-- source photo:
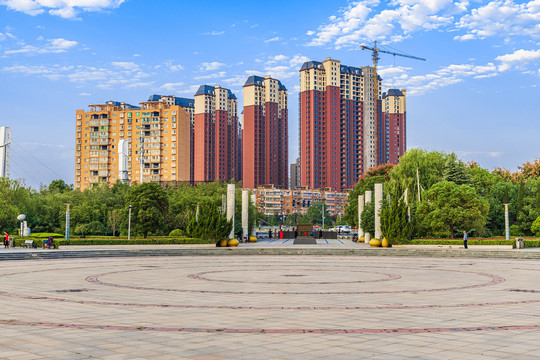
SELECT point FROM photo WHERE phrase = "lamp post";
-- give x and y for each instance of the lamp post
(129, 223)
(21, 218)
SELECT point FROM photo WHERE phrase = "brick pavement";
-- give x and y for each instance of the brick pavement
(270, 307)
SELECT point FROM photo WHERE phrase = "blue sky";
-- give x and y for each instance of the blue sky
(476, 95)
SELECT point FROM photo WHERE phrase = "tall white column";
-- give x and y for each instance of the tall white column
(254, 201)
(506, 222)
(230, 207)
(245, 213)
(378, 203)
(367, 200)
(360, 210)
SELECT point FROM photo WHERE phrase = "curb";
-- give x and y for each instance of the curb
(439, 253)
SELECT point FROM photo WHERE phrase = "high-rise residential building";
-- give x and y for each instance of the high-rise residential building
(189, 106)
(393, 140)
(158, 136)
(5, 141)
(295, 175)
(216, 134)
(340, 123)
(265, 133)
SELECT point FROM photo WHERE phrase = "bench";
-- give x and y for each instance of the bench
(28, 243)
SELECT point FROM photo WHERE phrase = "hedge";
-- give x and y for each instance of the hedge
(527, 242)
(18, 242)
(141, 241)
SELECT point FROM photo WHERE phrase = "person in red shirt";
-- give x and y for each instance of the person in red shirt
(6, 240)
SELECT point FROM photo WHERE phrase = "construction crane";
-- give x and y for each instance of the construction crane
(373, 103)
(375, 54)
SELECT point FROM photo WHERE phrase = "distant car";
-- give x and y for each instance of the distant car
(344, 229)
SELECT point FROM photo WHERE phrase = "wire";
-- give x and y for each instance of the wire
(41, 162)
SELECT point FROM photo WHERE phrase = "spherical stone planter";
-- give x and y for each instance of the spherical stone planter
(375, 242)
(252, 239)
(233, 243)
(222, 243)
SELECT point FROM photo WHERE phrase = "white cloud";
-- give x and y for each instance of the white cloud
(64, 8)
(277, 38)
(503, 18)
(122, 75)
(211, 76)
(189, 91)
(518, 58)
(126, 65)
(58, 45)
(211, 66)
(215, 33)
(445, 76)
(173, 67)
(465, 37)
(172, 86)
(298, 60)
(85, 94)
(280, 57)
(362, 21)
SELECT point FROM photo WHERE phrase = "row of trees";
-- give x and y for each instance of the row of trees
(447, 196)
(103, 210)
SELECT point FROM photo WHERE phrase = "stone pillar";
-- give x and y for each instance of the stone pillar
(230, 206)
(254, 201)
(506, 222)
(245, 218)
(378, 203)
(367, 200)
(360, 210)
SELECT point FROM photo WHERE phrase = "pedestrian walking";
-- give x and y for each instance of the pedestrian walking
(6, 240)
(465, 238)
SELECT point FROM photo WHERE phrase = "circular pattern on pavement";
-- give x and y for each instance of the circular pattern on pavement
(275, 287)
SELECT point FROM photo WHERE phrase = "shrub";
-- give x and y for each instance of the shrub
(515, 231)
(43, 235)
(535, 228)
(176, 233)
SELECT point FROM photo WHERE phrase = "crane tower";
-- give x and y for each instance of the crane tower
(372, 102)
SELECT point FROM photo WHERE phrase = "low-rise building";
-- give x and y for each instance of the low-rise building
(273, 201)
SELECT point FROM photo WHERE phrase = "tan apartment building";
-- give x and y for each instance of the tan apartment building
(273, 201)
(158, 136)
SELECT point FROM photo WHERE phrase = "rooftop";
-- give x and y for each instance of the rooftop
(258, 80)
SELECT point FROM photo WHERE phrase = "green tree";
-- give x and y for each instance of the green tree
(430, 166)
(368, 218)
(149, 206)
(314, 216)
(210, 224)
(448, 207)
(395, 224)
(376, 175)
(455, 170)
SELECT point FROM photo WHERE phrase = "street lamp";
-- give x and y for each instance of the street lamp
(129, 223)
(21, 218)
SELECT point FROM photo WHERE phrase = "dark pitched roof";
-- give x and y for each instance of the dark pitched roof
(351, 70)
(184, 102)
(311, 64)
(258, 80)
(209, 89)
(393, 92)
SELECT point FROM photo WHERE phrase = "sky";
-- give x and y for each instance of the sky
(477, 93)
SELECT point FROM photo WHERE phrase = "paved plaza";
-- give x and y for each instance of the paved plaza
(270, 307)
